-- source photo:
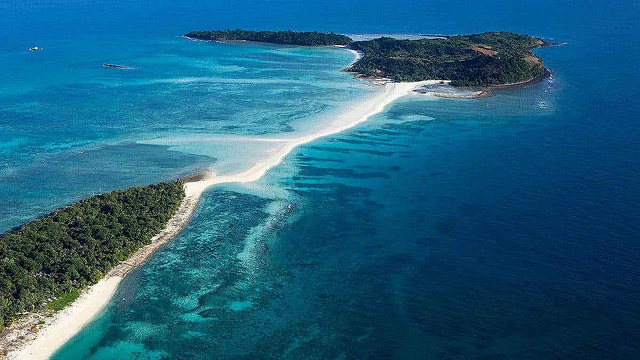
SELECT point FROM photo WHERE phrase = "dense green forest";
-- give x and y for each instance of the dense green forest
(275, 37)
(52, 258)
(491, 58)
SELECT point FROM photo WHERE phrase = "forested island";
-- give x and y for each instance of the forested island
(487, 59)
(492, 58)
(308, 38)
(48, 261)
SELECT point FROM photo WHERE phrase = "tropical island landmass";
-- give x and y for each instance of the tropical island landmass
(306, 38)
(481, 60)
(47, 264)
(48, 261)
(33, 326)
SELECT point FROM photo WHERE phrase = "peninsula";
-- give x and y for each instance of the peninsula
(483, 60)
(30, 335)
(46, 264)
(50, 260)
(74, 258)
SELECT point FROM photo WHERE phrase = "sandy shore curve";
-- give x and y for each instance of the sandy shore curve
(61, 327)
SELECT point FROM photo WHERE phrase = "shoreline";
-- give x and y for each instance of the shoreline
(547, 74)
(480, 92)
(62, 326)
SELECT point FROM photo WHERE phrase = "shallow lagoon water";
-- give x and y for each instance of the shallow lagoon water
(500, 228)
(438, 229)
(65, 118)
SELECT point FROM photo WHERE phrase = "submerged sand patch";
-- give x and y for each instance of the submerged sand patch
(61, 327)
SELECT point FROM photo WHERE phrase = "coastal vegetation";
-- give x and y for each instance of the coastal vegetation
(492, 58)
(309, 38)
(487, 59)
(48, 261)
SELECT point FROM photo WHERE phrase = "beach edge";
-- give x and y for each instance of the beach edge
(62, 326)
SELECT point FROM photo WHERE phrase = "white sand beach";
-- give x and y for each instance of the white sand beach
(354, 115)
(65, 324)
(357, 54)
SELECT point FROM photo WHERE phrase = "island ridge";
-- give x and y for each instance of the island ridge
(486, 59)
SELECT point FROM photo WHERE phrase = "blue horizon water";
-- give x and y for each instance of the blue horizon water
(498, 228)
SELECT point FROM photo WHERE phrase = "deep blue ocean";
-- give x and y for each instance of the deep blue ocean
(498, 228)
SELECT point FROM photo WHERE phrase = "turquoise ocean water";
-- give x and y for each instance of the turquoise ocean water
(499, 228)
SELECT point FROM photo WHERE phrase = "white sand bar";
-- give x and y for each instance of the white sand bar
(65, 324)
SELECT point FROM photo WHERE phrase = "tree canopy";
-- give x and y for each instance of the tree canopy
(491, 58)
(54, 257)
(309, 38)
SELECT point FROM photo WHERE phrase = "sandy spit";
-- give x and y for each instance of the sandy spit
(61, 327)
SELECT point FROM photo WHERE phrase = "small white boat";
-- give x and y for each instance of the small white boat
(35, 48)
(116, 66)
